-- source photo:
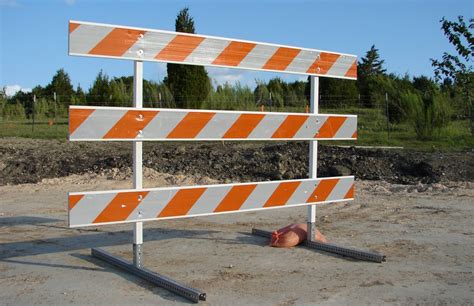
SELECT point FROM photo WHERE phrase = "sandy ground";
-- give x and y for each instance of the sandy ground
(426, 232)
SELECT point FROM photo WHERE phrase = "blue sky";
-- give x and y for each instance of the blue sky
(33, 34)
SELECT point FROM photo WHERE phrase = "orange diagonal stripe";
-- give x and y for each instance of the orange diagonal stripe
(324, 62)
(130, 124)
(330, 127)
(76, 117)
(73, 26)
(243, 126)
(352, 72)
(190, 125)
(354, 135)
(117, 42)
(74, 199)
(182, 202)
(322, 191)
(179, 48)
(281, 58)
(234, 53)
(235, 198)
(290, 126)
(121, 206)
(350, 193)
(282, 194)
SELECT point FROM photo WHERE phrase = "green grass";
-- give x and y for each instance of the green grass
(41, 129)
(372, 131)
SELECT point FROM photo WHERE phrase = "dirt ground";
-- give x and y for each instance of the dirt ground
(30, 161)
(425, 230)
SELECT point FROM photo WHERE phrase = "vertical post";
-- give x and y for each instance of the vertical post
(313, 156)
(387, 115)
(33, 125)
(137, 162)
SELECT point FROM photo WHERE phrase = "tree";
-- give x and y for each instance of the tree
(457, 69)
(80, 96)
(190, 85)
(371, 64)
(100, 91)
(369, 69)
(61, 85)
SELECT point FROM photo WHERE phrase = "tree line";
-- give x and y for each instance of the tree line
(427, 104)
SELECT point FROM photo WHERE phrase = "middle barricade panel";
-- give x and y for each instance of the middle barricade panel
(122, 206)
(120, 123)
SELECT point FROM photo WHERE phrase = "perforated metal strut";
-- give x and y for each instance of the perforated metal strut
(167, 283)
(332, 248)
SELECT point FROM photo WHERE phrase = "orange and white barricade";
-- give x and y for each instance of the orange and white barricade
(92, 123)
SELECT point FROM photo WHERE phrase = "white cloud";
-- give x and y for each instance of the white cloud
(226, 75)
(11, 90)
(70, 2)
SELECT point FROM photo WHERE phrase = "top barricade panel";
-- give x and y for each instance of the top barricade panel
(110, 41)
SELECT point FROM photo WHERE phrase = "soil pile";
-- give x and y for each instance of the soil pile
(30, 161)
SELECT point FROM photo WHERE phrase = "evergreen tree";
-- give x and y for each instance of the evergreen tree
(61, 85)
(80, 95)
(190, 85)
(369, 70)
(99, 93)
(371, 64)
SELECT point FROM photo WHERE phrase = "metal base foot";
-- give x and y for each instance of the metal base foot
(167, 283)
(332, 248)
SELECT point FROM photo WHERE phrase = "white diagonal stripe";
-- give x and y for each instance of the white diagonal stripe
(97, 124)
(218, 126)
(302, 193)
(207, 51)
(258, 56)
(311, 126)
(340, 190)
(149, 45)
(89, 207)
(209, 200)
(267, 126)
(348, 128)
(259, 196)
(152, 205)
(341, 66)
(303, 61)
(85, 37)
(163, 123)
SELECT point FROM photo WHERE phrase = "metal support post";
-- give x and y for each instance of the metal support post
(313, 157)
(137, 162)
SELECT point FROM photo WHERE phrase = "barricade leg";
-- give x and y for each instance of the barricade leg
(136, 267)
(332, 248)
(310, 241)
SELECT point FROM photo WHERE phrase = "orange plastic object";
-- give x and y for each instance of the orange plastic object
(292, 235)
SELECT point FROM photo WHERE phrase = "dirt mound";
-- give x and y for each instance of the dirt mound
(30, 161)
